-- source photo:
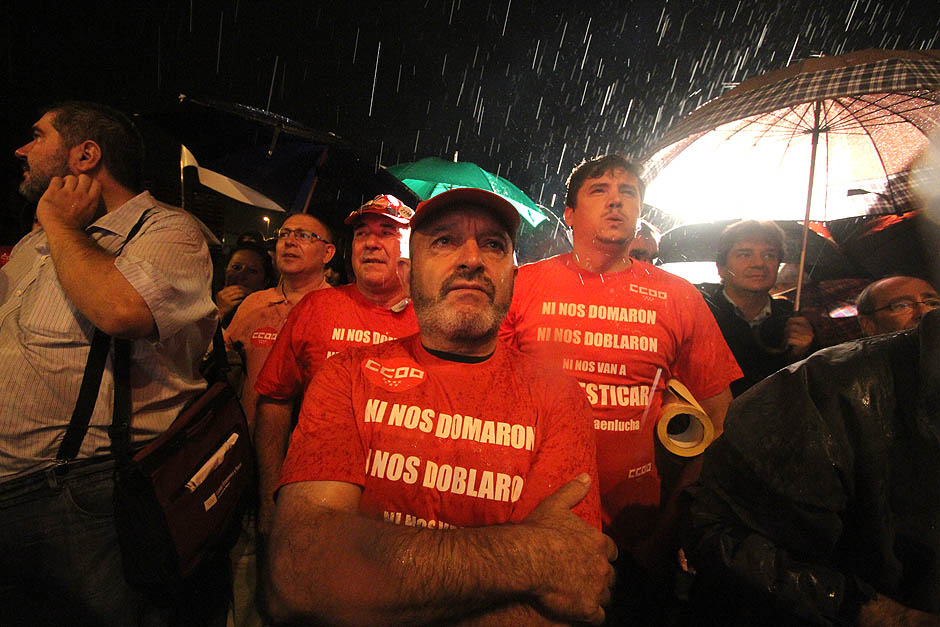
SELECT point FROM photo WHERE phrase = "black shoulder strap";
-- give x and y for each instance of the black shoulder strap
(91, 380)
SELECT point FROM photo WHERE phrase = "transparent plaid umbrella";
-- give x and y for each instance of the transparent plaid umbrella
(827, 138)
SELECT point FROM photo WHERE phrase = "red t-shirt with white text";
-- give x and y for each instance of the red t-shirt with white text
(613, 332)
(439, 443)
(322, 324)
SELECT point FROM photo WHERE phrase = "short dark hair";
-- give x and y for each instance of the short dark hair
(122, 147)
(759, 229)
(593, 168)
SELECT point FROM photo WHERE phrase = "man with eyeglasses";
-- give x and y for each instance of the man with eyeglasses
(894, 304)
(820, 503)
(302, 251)
(304, 247)
(370, 311)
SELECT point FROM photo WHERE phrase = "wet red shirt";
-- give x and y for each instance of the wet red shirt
(322, 324)
(439, 443)
(617, 334)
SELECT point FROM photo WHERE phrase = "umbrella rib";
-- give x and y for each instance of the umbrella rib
(759, 120)
(873, 109)
(881, 160)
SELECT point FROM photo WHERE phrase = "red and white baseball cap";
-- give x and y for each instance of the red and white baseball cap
(384, 205)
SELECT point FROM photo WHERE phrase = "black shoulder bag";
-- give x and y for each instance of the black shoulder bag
(181, 496)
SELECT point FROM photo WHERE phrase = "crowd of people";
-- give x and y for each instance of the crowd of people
(452, 439)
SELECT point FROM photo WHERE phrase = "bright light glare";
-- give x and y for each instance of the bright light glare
(740, 171)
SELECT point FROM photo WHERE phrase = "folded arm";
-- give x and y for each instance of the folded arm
(327, 562)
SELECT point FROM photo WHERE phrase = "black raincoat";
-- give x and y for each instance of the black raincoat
(825, 488)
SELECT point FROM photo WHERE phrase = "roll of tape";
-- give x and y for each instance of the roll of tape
(684, 428)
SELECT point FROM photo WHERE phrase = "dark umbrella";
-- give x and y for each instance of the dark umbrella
(300, 168)
(699, 242)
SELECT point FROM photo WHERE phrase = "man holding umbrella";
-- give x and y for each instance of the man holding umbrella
(761, 331)
(623, 328)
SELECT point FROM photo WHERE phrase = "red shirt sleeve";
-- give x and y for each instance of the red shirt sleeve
(280, 377)
(326, 444)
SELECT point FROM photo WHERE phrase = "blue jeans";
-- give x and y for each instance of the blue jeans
(60, 563)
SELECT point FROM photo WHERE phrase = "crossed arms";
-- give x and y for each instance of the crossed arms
(329, 563)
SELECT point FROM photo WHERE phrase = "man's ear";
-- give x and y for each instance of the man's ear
(722, 270)
(404, 274)
(868, 325)
(328, 254)
(84, 157)
(569, 215)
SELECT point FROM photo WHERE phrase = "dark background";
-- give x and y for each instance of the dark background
(526, 89)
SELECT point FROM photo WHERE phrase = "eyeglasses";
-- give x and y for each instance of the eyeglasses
(301, 235)
(907, 305)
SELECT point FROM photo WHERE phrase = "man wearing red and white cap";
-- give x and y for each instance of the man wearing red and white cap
(371, 310)
(443, 477)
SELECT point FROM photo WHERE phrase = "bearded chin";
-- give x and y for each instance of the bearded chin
(32, 189)
(464, 325)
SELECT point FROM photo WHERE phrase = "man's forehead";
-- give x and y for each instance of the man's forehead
(898, 287)
(753, 243)
(620, 175)
(368, 219)
(45, 123)
(304, 220)
(453, 216)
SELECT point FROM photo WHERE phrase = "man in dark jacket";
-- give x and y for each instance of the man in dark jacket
(821, 500)
(761, 331)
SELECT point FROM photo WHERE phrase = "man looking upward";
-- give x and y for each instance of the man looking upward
(432, 478)
(304, 247)
(623, 329)
(108, 256)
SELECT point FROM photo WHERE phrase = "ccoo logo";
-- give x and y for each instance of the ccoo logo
(395, 375)
(264, 336)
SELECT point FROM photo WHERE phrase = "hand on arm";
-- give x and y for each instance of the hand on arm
(330, 563)
(85, 270)
(886, 611)
(272, 435)
(799, 336)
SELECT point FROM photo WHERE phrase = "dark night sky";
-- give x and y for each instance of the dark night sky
(524, 88)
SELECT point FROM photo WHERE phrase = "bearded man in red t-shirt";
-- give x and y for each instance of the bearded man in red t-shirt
(623, 328)
(444, 477)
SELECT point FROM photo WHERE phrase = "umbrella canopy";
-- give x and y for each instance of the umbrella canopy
(431, 176)
(265, 160)
(845, 127)
(699, 243)
(812, 140)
